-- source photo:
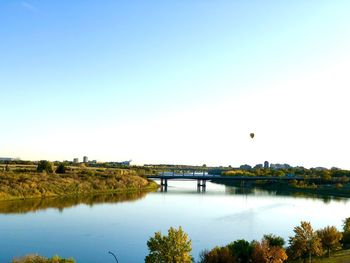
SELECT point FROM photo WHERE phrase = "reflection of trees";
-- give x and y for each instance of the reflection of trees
(30, 205)
(260, 190)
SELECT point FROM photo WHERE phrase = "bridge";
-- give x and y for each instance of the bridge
(203, 178)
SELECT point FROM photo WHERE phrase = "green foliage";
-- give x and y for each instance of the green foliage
(40, 259)
(61, 168)
(330, 238)
(326, 176)
(305, 243)
(346, 225)
(217, 255)
(274, 241)
(241, 249)
(173, 248)
(44, 166)
(346, 233)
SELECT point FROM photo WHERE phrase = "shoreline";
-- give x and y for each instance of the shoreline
(288, 190)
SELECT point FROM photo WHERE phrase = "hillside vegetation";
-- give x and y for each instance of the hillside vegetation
(22, 185)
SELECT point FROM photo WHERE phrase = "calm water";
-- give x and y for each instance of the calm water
(88, 227)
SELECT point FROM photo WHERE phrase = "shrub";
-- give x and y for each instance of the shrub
(40, 259)
(217, 255)
(44, 166)
(61, 168)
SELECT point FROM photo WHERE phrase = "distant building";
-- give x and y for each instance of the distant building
(125, 163)
(76, 160)
(85, 159)
(320, 169)
(258, 166)
(245, 167)
(8, 159)
(266, 165)
(278, 166)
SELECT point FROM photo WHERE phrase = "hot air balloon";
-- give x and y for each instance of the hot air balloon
(252, 135)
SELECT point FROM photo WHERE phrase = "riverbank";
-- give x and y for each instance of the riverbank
(16, 186)
(283, 188)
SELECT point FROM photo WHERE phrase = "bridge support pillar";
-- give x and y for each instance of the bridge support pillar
(201, 185)
(164, 188)
(163, 181)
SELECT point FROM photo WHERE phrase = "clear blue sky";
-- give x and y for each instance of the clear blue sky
(175, 81)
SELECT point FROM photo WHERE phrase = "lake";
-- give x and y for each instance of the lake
(86, 228)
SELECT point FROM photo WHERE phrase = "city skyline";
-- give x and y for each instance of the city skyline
(176, 82)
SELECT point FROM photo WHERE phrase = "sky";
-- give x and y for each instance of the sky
(178, 81)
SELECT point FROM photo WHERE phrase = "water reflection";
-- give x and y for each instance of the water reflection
(295, 193)
(60, 203)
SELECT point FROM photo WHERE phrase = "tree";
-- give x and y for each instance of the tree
(173, 248)
(241, 249)
(274, 241)
(263, 252)
(7, 168)
(330, 238)
(305, 243)
(61, 168)
(44, 166)
(346, 225)
(346, 233)
(217, 255)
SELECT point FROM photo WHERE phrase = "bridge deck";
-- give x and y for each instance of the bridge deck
(221, 178)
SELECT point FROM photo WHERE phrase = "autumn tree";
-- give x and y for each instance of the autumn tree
(263, 252)
(305, 243)
(173, 248)
(217, 255)
(330, 238)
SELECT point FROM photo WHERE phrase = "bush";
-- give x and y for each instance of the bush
(40, 259)
(61, 168)
(45, 166)
(217, 255)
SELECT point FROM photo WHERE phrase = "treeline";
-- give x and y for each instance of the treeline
(304, 245)
(325, 174)
(19, 166)
(176, 247)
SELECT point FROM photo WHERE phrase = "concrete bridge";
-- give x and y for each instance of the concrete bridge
(203, 178)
